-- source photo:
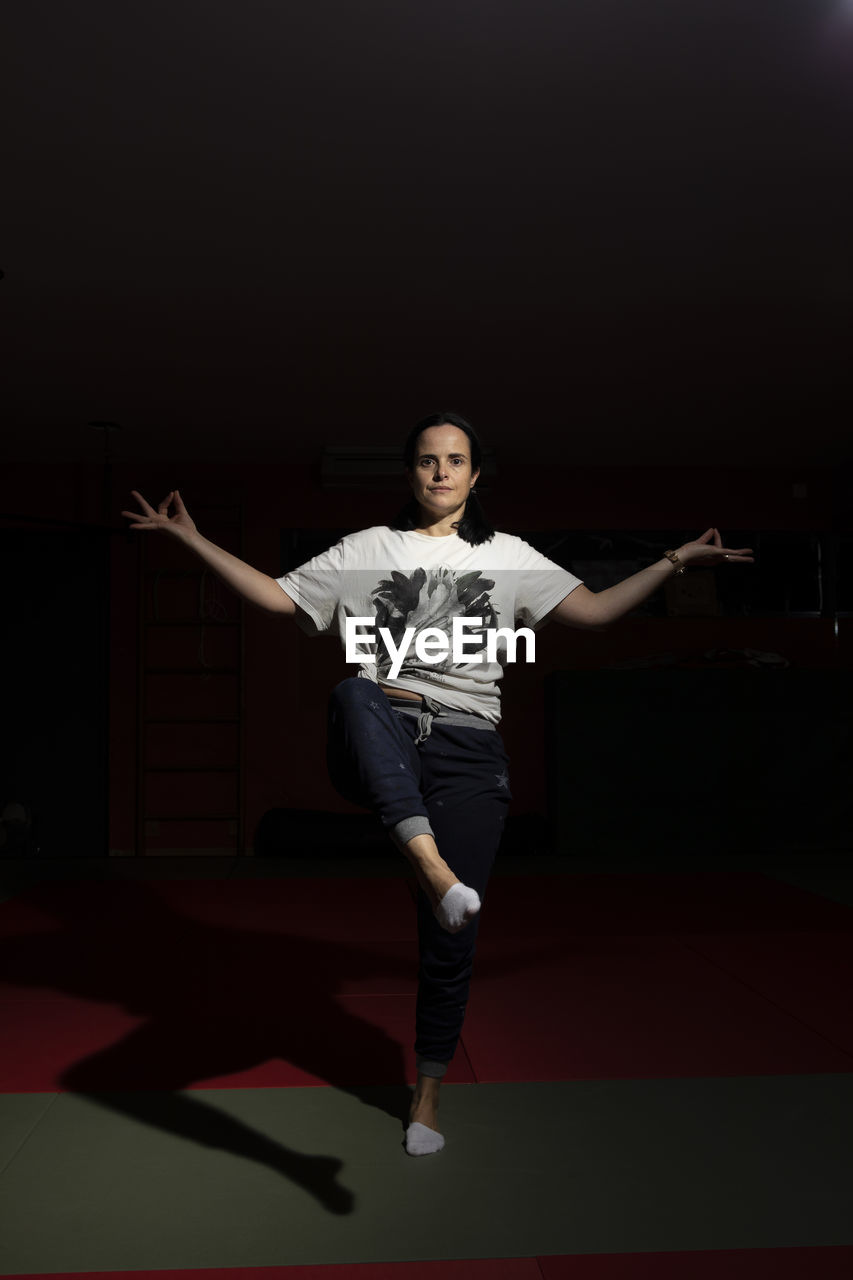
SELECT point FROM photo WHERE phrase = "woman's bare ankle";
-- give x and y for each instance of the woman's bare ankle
(424, 1105)
(431, 871)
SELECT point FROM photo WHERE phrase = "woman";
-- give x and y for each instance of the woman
(413, 735)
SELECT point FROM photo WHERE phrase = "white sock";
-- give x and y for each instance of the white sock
(421, 1141)
(457, 908)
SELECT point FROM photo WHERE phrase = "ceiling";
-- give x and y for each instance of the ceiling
(604, 230)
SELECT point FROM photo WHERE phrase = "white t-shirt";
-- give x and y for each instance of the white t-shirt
(400, 583)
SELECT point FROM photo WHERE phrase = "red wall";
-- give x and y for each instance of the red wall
(287, 677)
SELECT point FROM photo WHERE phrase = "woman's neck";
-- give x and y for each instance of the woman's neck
(438, 526)
(441, 528)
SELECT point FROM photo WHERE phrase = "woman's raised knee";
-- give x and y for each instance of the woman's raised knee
(352, 692)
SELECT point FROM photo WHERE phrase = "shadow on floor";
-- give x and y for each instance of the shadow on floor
(217, 1000)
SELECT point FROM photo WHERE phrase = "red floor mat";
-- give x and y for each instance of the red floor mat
(191, 984)
(631, 975)
(620, 1007)
(655, 905)
(810, 975)
(203, 983)
(830, 1263)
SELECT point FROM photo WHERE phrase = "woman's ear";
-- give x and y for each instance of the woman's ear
(475, 475)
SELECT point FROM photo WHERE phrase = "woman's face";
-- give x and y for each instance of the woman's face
(441, 477)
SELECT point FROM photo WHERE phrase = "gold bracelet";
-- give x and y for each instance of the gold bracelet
(673, 556)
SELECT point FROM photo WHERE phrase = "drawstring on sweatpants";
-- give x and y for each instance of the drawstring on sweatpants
(431, 709)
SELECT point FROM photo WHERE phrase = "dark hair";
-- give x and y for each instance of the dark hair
(473, 527)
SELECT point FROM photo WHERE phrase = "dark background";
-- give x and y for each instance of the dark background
(604, 230)
(616, 236)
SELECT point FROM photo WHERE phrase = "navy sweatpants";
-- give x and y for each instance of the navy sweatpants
(456, 778)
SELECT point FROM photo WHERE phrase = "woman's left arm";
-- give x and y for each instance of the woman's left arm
(594, 609)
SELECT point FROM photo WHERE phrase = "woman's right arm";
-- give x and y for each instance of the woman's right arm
(256, 587)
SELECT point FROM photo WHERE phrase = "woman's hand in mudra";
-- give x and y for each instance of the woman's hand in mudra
(180, 524)
(709, 550)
